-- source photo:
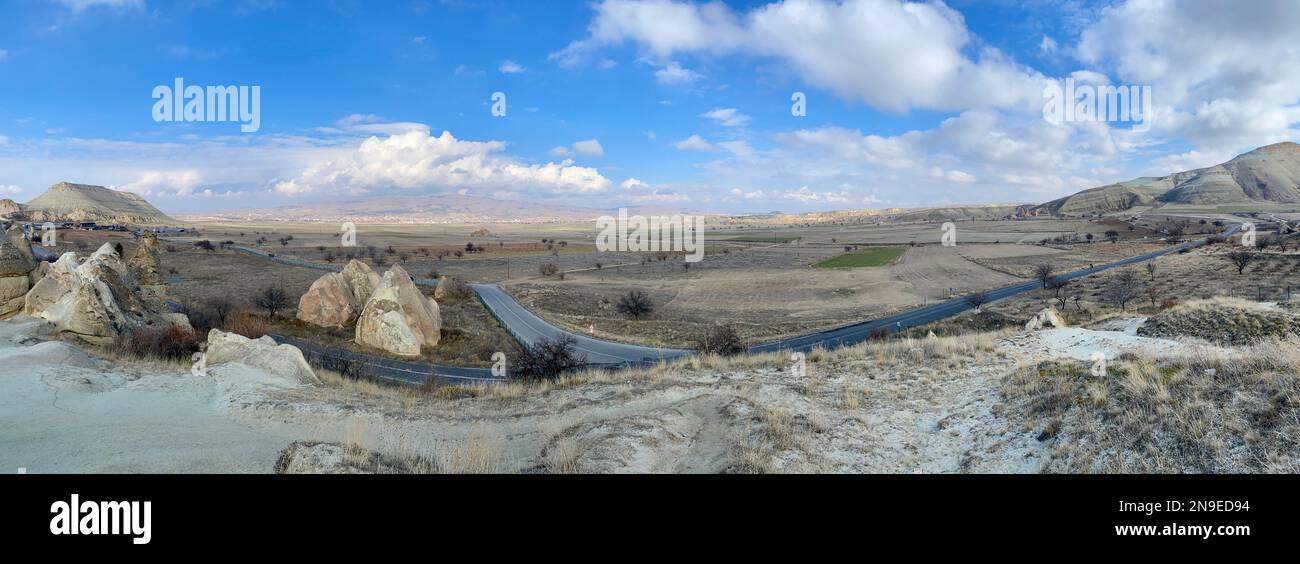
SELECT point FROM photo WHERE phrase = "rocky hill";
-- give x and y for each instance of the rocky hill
(1269, 174)
(80, 202)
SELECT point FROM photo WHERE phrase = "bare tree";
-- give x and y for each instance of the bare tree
(977, 300)
(1176, 232)
(1043, 272)
(547, 359)
(1060, 289)
(1112, 235)
(635, 304)
(1151, 270)
(1153, 293)
(547, 269)
(273, 299)
(1240, 259)
(1122, 288)
(721, 340)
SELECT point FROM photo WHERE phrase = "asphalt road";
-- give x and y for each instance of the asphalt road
(399, 371)
(528, 328)
(859, 332)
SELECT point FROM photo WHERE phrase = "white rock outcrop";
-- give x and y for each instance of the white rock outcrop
(337, 298)
(284, 362)
(1048, 317)
(91, 300)
(398, 318)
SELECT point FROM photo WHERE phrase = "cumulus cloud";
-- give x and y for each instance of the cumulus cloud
(695, 143)
(1236, 86)
(730, 117)
(417, 161)
(674, 74)
(10, 189)
(892, 54)
(165, 183)
(590, 147)
(510, 67)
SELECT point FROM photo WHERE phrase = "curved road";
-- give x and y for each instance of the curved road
(528, 328)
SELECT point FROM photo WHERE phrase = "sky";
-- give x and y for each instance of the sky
(634, 102)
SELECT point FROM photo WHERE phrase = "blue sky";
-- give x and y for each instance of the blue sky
(622, 102)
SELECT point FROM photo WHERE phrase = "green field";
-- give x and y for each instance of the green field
(869, 256)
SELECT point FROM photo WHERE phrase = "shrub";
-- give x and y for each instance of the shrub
(547, 359)
(722, 340)
(245, 323)
(457, 289)
(164, 342)
(548, 269)
(635, 304)
(273, 299)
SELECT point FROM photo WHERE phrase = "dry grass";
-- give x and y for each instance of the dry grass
(1224, 320)
(1212, 410)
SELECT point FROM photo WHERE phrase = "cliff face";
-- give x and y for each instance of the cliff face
(80, 202)
(8, 207)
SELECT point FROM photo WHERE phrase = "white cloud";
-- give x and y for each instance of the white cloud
(78, 6)
(730, 117)
(674, 74)
(510, 67)
(417, 161)
(1235, 87)
(165, 183)
(633, 184)
(10, 189)
(4, 54)
(356, 119)
(695, 143)
(1047, 45)
(590, 147)
(891, 54)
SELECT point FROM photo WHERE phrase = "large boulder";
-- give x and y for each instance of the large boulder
(398, 318)
(146, 264)
(284, 362)
(336, 299)
(362, 280)
(92, 300)
(16, 265)
(56, 282)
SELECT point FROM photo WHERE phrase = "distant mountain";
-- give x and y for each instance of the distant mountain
(966, 212)
(80, 202)
(1268, 174)
(442, 208)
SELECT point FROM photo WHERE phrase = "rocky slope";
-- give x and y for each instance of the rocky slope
(1267, 174)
